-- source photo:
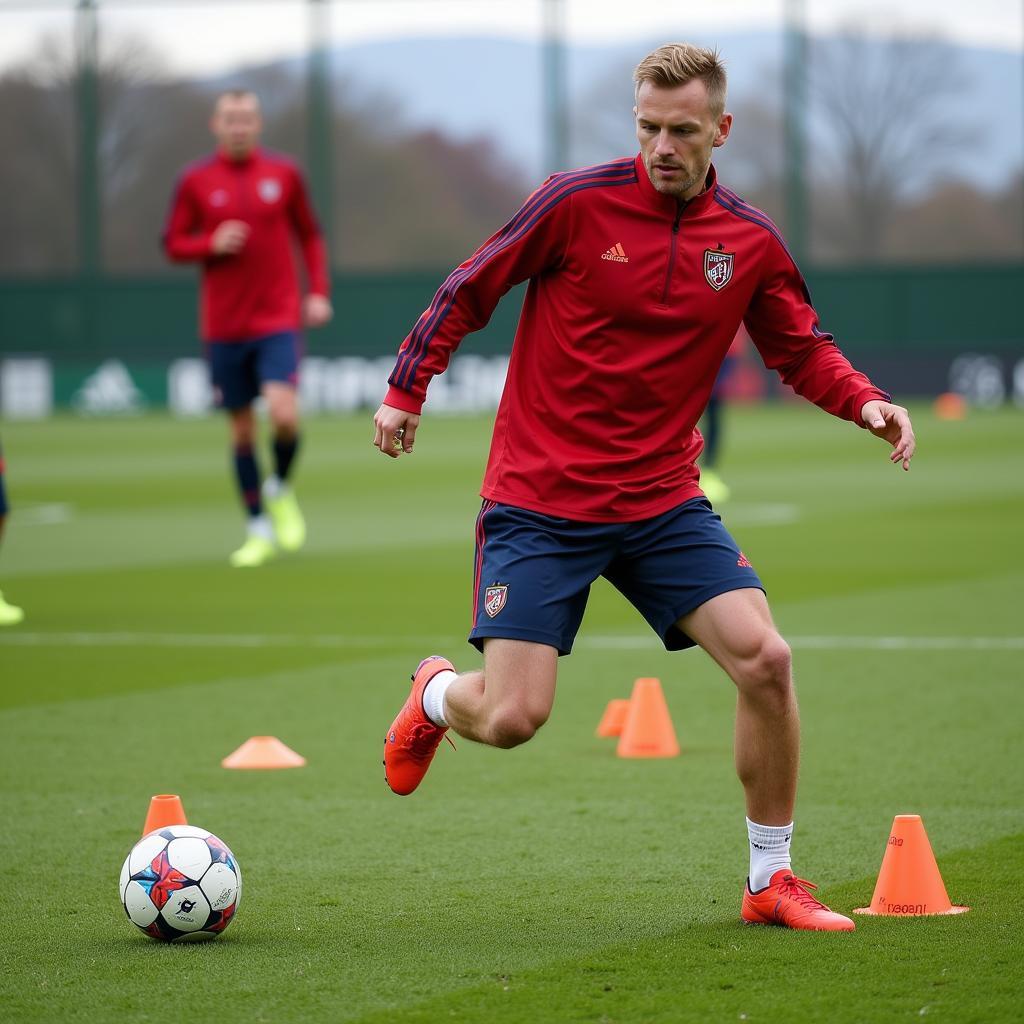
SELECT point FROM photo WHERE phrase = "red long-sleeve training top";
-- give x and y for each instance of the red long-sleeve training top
(632, 304)
(256, 291)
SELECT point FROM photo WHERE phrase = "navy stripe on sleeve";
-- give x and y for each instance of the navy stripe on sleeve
(548, 196)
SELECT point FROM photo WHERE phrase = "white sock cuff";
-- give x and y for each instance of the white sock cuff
(769, 837)
(273, 487)
(433, 696)
(260, 526)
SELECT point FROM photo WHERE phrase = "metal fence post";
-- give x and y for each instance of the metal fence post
(89, 238)
(556, 123)
(795, 119)
(319, 129)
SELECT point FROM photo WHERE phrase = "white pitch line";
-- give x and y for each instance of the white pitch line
(848, 643)
(52, 514)
(760, 515)
(17, 638)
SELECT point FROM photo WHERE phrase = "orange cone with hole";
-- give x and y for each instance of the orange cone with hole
(648, 730)
(265, 753)
(164, 809)
(909, 883)
(614, 718)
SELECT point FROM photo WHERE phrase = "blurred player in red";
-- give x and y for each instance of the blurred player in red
(10, 615)
(640, 273)
(239, 213)
(712, 425)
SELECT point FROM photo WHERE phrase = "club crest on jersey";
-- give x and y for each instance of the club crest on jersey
(495, 598)
(269, 190)
(718, 268)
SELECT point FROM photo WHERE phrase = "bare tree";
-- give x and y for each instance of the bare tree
(37, 172)
(601, 120)
(882, 131)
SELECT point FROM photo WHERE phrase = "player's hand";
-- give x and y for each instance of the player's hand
(316, 310)
(229, 237)
(394, 430)
(891, 423)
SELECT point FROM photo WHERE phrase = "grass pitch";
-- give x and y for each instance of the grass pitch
(549, 883)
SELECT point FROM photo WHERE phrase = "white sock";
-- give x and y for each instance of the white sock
(769, 851)
(272, 487)
(260, 526)
(433, 696)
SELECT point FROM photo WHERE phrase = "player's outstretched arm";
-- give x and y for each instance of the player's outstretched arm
(394, 430)
(891, 423)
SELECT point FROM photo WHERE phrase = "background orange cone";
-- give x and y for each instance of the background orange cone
(648, 730)
(164, 809)
(909, 883)
(950, 406)
(614, 718)
(263, 752)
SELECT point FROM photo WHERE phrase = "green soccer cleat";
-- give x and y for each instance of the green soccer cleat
(285, 514)
(10, 615)
(255, 551)
(714, 487)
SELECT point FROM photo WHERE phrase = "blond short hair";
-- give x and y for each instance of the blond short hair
(678, 63)
(236, 94)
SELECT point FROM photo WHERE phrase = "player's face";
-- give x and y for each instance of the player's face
(677, 132)
(237, 123)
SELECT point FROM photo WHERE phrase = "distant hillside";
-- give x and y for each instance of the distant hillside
(468, 87)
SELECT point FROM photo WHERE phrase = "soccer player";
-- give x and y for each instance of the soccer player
(715, 489)
(238, 214)
(10, 615)
(640, 272)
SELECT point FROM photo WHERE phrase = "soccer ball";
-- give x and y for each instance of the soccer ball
(180, 880)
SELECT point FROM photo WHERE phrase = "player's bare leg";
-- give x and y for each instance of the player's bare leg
(259, 543)
(503, 705)
(282, 408)
(736, 629)
(506, 702)
(283, 411)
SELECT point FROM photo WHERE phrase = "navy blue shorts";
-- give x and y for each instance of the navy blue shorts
(532, 572)
(239, 369)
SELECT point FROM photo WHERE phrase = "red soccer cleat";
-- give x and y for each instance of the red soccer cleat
(786, 900)
(412, 740)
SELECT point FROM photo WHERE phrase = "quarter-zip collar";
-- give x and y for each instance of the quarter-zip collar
(668, 204)
(246, 161)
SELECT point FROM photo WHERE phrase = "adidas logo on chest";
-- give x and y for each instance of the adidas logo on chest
(616, 254)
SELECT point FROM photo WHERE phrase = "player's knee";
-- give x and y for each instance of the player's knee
(286, 426)
(767, 672)
(243, 438)
(512, 726)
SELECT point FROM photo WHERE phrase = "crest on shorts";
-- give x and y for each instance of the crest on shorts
(269, 190)
(718, 268)
(495, 598)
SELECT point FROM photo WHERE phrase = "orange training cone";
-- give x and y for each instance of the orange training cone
(263, 752)
(164, 809)
(614, 718)
(648, 730)
(909, 883)
(950, 406)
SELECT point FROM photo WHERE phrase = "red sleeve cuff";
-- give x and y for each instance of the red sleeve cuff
(868, 395)
(399, 399)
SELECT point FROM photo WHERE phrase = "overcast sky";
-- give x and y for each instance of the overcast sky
(214, 35)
